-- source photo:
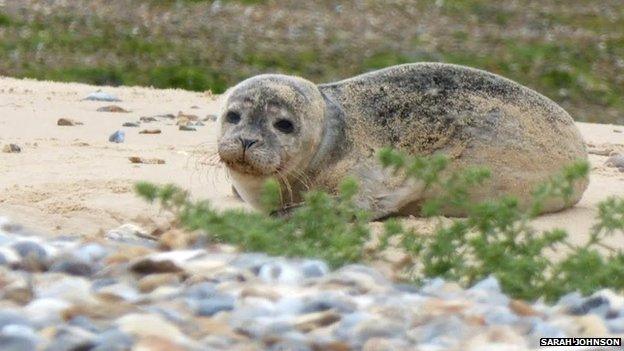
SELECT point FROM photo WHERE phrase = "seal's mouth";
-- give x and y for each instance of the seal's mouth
(243, 167)
(255, 160)
(253, 163)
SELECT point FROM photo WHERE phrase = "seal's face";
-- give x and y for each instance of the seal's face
(271, 124)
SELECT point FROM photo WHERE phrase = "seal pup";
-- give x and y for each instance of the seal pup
(310, 136)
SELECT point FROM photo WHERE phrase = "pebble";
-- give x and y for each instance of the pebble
(11, 149)
(27, 248)
(112, 108)
(8, 317)
(102, 96)
(147, 119)
(91, 252)
(210, 117)
(112, 340)
(166, 116)
(16, 343)
(616, 161)
(187, 128)
(46, 311)
(616, 325)
(72, 265)
(150, 131)
(280, 272)
(328, 301)
(132, 234)
(149, 325)
(122, 293)
(215, 304)
(68, 338)
(131, 124)
(189, 117)
(144, 160)
(67, 122)
(599, 152)
(314, 268)
(117, 137)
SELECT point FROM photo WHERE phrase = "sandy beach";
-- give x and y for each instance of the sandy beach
(72, 180)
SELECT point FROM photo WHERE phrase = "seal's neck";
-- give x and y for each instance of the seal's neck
(333, 141)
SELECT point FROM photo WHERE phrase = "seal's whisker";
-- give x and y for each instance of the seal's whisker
(287, 184)
(302, 178)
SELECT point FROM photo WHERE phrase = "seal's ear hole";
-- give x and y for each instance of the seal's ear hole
(232, 117)
(285, 126)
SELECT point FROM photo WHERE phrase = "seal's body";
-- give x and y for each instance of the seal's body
(310, 136)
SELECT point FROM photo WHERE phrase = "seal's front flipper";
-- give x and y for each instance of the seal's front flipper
(286, 211)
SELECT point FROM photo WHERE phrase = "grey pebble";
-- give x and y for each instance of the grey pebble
(616, 325)
(147, 119)
(500, 315)
(541, 329)
(117, 137)
(27, 248)
(201, 291)
(92, 252)
(314, 268)
(406, 288)
(170, 314)
(213, 305)
(72, 265)
(102, 282)
(112, 340)
(131, 124)
(377, 328)
(85, 323)
(70, 338)
(326, 302)
(348, 322)
(489, 284)
(251, 261)
(291, 341)
(8, 317)
(166, 116)
(432, 286)
(595, 304)
(187, 128)
(280, 272)
(439, 328)
(102, 96)
(5, 239)
(264, 327)
(616, 161)
(17, 343)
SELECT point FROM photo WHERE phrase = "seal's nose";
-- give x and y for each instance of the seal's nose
(247, 143)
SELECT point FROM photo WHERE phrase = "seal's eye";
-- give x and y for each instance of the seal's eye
(285, 126)
(233, 117)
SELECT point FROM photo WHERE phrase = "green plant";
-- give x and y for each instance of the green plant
(330, 228)
(496, 238)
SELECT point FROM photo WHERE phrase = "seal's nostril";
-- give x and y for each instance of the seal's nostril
(247, 143)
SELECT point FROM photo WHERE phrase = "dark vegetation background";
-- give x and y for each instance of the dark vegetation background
(572, 51)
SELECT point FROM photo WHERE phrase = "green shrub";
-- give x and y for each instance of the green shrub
(495, 239)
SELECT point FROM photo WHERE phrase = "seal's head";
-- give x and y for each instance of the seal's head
(271, 124)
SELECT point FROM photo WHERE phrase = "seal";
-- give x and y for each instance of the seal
(310, 136)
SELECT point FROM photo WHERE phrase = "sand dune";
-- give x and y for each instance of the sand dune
(72, 180)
